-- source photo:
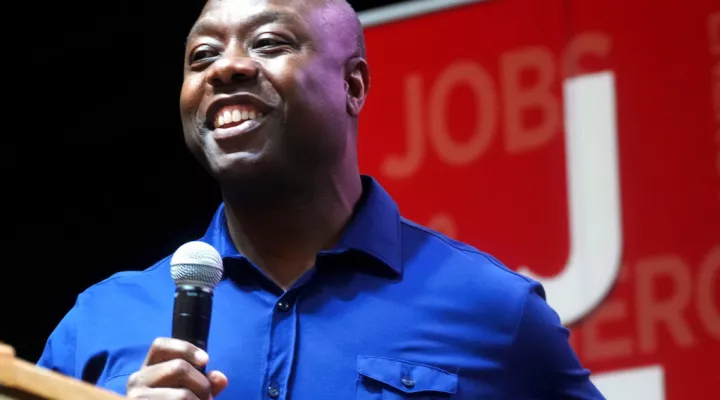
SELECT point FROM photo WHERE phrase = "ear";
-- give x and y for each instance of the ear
(357, 84)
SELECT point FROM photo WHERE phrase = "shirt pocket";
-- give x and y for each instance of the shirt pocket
(382, 378)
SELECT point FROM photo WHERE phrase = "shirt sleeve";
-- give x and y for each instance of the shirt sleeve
(60, 347)
(542, 364)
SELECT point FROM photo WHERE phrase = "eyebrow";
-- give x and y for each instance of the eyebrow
(209, 26)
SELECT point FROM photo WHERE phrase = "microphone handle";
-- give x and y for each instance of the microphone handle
(191, 316)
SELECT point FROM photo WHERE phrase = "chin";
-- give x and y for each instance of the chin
(241, 166)
(237, 162)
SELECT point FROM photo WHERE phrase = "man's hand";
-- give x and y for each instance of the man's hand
(169, 373)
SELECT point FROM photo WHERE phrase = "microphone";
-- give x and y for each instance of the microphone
(196, 268)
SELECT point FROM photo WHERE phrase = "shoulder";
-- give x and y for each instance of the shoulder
(103, 309)
(128, 289)
(450, 256)
(465, 273)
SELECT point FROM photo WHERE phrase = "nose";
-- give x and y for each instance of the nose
(231, 68)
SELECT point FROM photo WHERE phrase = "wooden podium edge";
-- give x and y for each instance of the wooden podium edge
(22, 376)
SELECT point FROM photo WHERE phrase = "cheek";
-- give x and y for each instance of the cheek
(325, 86)
(307, 85)
(190, 96)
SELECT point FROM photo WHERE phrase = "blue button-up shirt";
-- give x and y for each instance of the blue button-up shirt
(394, 311)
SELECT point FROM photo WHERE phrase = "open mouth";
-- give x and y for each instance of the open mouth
(236, 115)
(235, 120)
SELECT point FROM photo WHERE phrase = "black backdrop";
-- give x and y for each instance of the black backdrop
(97, 177)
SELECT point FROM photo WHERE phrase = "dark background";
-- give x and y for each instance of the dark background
(98, 179)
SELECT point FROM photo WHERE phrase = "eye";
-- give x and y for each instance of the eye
(202, 53)
(268, 43)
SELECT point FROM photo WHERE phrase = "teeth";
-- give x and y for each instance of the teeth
(236, 115)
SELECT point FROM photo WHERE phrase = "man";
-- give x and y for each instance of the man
(328, 293)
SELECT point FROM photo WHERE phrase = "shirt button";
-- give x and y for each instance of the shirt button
(283, 305)
(408, 382)
(273, 391)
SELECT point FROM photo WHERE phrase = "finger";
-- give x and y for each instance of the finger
(161, 394)
(176, 373)
(218, 382)
(166, 349)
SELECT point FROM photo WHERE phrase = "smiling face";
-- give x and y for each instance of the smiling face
(272, 86)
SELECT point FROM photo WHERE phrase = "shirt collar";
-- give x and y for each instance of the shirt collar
(374, 229)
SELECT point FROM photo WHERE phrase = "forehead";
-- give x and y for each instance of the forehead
(235, 14)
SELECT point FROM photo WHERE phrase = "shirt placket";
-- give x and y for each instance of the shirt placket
(283, 338)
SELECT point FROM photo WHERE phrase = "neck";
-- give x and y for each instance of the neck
(281, 226)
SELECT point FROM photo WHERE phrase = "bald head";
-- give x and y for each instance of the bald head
(339, 19)
(297, 66)
(351, 23)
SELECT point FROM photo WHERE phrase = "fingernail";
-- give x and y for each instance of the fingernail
(201, 356)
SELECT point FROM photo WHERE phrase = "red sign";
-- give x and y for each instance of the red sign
(579, 142)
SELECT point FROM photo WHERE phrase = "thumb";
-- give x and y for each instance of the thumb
(218, 382)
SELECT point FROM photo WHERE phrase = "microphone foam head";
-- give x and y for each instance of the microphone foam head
(196, 264)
